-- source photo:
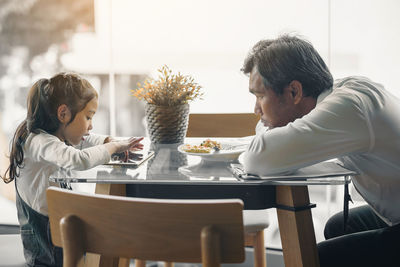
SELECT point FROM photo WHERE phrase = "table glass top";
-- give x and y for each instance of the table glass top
(168, 165)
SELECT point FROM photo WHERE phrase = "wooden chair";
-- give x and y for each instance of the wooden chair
(222, 125)
(235, 125)
(197, 231)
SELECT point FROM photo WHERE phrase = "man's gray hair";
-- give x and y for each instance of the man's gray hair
(287, 58)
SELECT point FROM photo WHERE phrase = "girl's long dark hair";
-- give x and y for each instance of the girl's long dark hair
(44, 98)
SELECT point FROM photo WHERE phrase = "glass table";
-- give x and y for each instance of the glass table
(174, 175)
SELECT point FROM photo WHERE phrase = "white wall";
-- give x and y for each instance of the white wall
(209, 40)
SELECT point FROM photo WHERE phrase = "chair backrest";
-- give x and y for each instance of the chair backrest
(222, 125)
(207, 231)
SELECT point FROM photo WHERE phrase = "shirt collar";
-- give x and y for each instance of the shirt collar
(323, 95)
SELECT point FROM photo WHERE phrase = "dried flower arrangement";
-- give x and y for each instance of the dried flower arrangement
(169, 89)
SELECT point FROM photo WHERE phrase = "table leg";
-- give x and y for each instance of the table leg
(296, 227)
(96, 259)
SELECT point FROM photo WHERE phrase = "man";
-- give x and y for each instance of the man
(306, 118)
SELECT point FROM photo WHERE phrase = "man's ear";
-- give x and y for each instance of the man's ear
(296, 91)
(63, 113)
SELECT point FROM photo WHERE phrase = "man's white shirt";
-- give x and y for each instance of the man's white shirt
(358, 122)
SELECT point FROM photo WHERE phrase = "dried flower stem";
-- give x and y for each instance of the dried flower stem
(169, 89)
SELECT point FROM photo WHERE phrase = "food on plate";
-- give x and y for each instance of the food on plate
(211, 144)
(196, 148)
(205, 147)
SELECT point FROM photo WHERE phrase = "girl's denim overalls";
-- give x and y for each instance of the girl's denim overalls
(35, 235)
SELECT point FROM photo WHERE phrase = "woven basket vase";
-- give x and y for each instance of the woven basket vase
(167, 125)
(168, 168)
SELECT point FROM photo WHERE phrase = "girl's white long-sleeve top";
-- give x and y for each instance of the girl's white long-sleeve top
(358, 122)
(45, 155)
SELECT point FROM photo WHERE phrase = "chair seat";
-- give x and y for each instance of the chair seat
(255, 220)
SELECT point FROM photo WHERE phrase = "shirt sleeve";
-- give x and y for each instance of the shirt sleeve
(43, 147)
(335, 127)
(92, 140)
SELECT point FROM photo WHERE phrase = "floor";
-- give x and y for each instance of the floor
(11, 251)
(274, 259)
(10, 242)
(12, 256)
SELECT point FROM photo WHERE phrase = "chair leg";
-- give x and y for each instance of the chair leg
(260, 259)
(256, 240)
(123, 262)
(168, 264)
(140, 263)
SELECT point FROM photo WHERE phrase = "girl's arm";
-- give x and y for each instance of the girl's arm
(96, 139)
(117, 146)
(48, 148)
(93, 140)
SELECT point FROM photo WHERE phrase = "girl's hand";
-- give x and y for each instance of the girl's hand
(118, 146)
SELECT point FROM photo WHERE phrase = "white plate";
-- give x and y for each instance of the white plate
(207, 169)
(229, 152)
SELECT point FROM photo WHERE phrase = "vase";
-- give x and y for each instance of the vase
(165, 124)
(160, 169)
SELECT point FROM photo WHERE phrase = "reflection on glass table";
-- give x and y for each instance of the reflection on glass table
(207, 169)
(171, 164)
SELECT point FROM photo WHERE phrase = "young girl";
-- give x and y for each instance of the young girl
(59, 118)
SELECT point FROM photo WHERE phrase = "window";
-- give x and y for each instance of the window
(122, 42)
